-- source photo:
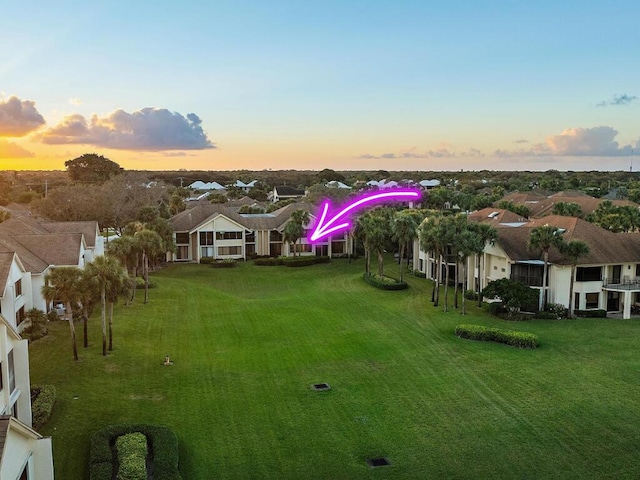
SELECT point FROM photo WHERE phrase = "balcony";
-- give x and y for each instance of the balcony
(528, 280)
(626, 283)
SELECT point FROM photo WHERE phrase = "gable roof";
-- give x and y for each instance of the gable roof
(605, 247)
(56, 249)
(32, 262)
(285, 190)
(496, 216)
(87, 228)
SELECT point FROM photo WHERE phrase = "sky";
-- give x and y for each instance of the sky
(347, 85)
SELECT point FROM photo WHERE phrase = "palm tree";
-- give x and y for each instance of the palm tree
(64, 284)
(544, 238)
(114, 290)
(107, 271)
(124, 249)
(404, 227)
(429, 242)
(150, 244)
(292, 232)
(88, 296)
(299, 218)
(486, 235)
(573, 251)
(469, 242)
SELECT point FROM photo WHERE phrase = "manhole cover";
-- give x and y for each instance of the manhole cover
(378, 462)
(321, 387)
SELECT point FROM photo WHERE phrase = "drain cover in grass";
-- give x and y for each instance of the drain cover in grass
(321, 387)
(378, 462)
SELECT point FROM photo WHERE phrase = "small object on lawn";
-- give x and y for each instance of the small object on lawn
(76, 397)
(320, 387)
(167, 361)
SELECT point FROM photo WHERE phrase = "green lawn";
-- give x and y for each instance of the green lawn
(249, 342)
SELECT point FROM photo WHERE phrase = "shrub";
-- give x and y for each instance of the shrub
(162, 442)
(546, 315)
(140, 283)
(385, 283)
(471, 295)
(207, 260)
(132, 454)
(599, 313)
(487, 334)
(419, 274)
(43, 397)
(268, 262)
(514, 295)
(304, 261)
(558, 309)
(226, 263)
(496, 308)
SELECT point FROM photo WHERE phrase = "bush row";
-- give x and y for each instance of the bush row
(226, 263)
(591, 313)
(162, 443)
(385, 283)
(487, 334)
(43, 398)
(132, 456)
(291, 261)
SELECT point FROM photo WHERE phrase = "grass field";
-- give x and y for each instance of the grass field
(249, 342)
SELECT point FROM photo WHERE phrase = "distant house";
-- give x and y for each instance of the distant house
(337, 184)
(200, 185)
(382, 184)
(284, 192)
(245, 187)
(24, 453)
(429, 184)
(220, 232)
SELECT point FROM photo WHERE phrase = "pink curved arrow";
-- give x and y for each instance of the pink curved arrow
(324, 227)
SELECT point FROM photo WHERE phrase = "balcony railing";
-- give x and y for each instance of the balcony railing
(530, 281)
(625, 283)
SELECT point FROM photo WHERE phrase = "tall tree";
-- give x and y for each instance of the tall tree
(294, 230)
(544, 238)
(430, 243)
(125, 250)
(404, 228)
(149, 243)
(63, 284)
(116, 288)
(107, 271)
(486, 235)
(91, 167)
(375, 226)
(88, 297)
(573, 251)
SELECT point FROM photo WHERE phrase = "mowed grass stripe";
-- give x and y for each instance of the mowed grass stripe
(248, 343)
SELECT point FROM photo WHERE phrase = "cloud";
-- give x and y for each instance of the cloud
(13, 150)
(75, 101)
(439, 153)
(18, 117)
(623, 99)
(521, 140)
(149, 129)
(596, 141)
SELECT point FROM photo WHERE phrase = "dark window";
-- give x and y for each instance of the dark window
(1, 378)
(275, 236)
(228, 235)
(206, 238)
(637, 269)
(20, 316)
(588, 274)
(251, 248)
(12, 374)
(182, 238)
(250, 237)
(232, 250)
(25, 473)
(592, 300)
(19, 288)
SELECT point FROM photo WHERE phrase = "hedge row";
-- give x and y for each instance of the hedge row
(591, 313)
(226, 263)
(291, 261)
(385, 283)
(42, 404)
(132, 456)
(487, 334)
(162, 443)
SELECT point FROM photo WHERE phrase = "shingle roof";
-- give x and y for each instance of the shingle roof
(6, 259)
(495, 216)
(87, 228)
(605, 247)
(4, 431)
(286, 190)
(54, 248)
(31, 261)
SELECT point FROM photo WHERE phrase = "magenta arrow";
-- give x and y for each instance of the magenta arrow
(324, 227)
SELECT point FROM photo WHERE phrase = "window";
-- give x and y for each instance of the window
(206, 251)
(206, 238)
(20, 316)
(576, 301)
(19, 288)
(228, 235)
(251, 248)
(182, 252)
(592, 300)
(12, 374)
(338, 247)
(302, 247)
(250, 237)
(1, 378)
(25, 473)
(275, 236)
(232, 250)
(588, 274)
(182, 237)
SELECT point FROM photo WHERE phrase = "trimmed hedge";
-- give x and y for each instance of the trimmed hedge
(132, 456)
(43, 400)
(488, 334)
(304, 261)
(268, 262)
(162, 442)
(591, 313)
(207, 260)
(226, 263)
(385, 283)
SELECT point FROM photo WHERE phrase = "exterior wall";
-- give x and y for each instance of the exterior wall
(559, 284)
(11, 303)
(20, 396)
(217, 225)
(23, 447)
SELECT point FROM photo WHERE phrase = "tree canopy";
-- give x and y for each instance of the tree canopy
(92, 168)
